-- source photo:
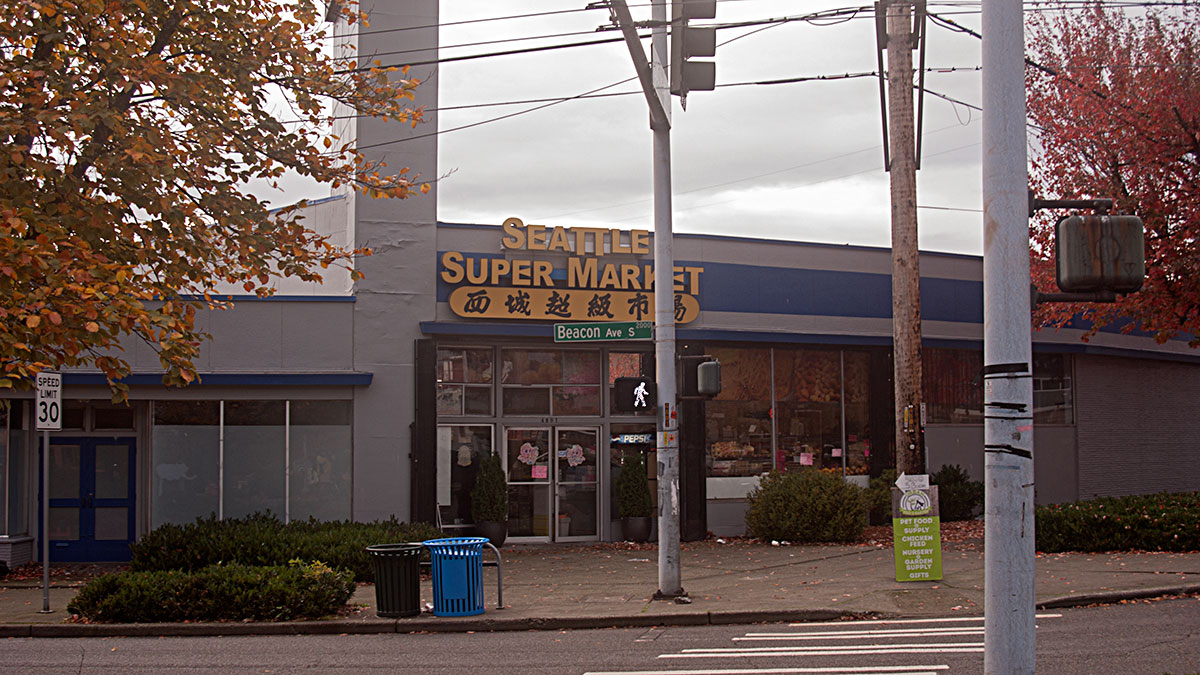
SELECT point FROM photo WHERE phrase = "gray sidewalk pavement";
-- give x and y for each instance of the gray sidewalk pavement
(592, 586)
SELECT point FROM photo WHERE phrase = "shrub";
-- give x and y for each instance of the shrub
(264, 540)
(879, 498)
(806, 507)
(489, 497)
(633, 492)
(959, 497)
(1160, 522)
(231, 592)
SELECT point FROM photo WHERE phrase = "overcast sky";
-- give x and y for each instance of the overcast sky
(799, 161)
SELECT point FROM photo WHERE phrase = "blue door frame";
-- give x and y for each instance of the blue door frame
(82, 541)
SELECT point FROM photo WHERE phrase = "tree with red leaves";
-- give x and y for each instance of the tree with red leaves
(1115, 98)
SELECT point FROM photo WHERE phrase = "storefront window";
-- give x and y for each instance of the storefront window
(953, 386)
(738, 422)
(464, 381)
(1052, 403)
(254, 458)
(460, 449)
(184, 482)
(551, 382)
(858, 412)
(319, 445)
(628, 364)
(808, 415)
(14, 462)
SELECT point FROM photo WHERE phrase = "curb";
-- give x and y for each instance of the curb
(489, 624)
(1083, 599)
(419, 625)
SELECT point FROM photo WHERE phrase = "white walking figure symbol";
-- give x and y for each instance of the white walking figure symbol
(639, 396)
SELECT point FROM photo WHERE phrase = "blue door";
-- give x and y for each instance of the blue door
(92, 506)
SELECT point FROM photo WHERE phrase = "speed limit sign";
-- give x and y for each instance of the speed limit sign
(49, 402)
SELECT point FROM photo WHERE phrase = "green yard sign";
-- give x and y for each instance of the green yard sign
(917, 534)
(604, 330)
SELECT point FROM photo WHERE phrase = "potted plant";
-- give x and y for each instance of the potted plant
(489, 500)
(633, 498)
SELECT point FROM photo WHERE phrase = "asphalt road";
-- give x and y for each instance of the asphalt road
(1140, 637)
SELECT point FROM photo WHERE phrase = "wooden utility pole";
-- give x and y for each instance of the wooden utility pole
(906, 277)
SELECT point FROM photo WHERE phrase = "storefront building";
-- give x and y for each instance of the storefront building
(377, 398)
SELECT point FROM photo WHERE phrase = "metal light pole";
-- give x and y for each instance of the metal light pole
(669, 584)
(1009, 642)
(656, 88)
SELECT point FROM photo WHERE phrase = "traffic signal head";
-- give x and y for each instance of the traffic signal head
(688, 42)
(634, 395)
(1100, 253)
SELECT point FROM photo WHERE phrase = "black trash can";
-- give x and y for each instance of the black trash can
(397, 579)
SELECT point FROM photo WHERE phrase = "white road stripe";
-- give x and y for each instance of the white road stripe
(832, 651)
(902, 621)
(843, 670)
(701, 650)
(849, 634)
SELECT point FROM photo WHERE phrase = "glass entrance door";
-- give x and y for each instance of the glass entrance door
(91, 499)
(553, 483)
(575, 477)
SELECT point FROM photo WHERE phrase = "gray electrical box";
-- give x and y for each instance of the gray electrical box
(1100, 253)
(708, 378)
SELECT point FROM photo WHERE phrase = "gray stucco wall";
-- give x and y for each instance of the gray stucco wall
(1053, 456)
(398, 291)
(1137, 426)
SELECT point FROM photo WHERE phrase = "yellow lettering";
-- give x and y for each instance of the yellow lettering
(558, 240)
(678, 277)
(629, 277)
(520, 272)
(639, 241)
(500, 267)
(452, 262)
(581, 272)
(609, 278)
(479, 277)
(537, 237)
(541, 273)
(514, 234)
(647, 277)
(694, 279)
(615, 238)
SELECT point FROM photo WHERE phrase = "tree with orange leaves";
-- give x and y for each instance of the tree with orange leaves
(1116, 100)
(130, 130)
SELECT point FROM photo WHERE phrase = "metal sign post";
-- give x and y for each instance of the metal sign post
(48, 417)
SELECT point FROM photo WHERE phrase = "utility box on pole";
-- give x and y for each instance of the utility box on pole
(688, 42)
(1100, 253)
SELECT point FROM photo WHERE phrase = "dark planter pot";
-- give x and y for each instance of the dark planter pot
(495, 532)
(636, 528)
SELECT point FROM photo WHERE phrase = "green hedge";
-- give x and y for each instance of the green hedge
(1161, 522)
(879, 498)
(264, 540)
(959, 497)
(806, 507)
(231, 592)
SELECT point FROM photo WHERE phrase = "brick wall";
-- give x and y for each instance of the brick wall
(1138, 426)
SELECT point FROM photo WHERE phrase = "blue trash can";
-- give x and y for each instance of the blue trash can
(457, 566)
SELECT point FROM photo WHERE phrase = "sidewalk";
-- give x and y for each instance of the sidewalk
(604, 585)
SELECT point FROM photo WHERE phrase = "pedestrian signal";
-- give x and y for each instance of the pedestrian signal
(634, 395)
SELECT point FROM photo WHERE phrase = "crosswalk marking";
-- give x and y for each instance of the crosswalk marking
(948, 619)
(838, 670)
(851, 634)
(847, 650)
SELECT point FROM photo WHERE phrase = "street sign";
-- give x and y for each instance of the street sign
(917, 481)
(917, 534)
(49, 402)
(604, 330)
